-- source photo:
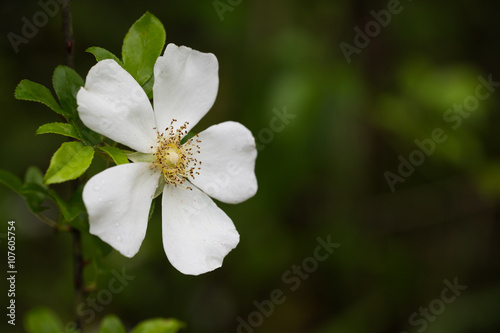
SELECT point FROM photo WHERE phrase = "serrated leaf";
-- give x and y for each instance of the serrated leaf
(31, 91)
(59, 128)
(158, 325)
(11, 181)
(66, 84)
(69, 162)
(42, 320)
(142, 46)
(112, 324)
(102, 54)
(116, 154)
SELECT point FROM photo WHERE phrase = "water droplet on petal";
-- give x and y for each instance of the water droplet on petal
(117, 224)
(100, 199)
(118, 238)
(97, 188)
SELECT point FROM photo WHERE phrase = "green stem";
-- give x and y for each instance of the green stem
(51, 223)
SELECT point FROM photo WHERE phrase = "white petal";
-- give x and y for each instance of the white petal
(113, 104)
(227, 153)
(185, 87)
(118, 202)
(197, 234)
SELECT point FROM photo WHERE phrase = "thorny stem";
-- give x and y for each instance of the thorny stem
(67, 28)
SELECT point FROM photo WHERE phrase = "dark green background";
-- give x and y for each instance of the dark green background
(322, 175)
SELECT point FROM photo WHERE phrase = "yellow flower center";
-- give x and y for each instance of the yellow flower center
(169, 157)
(176, 161)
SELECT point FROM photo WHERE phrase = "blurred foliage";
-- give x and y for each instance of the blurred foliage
(322, 174)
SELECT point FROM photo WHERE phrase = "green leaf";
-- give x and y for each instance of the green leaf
(116, 154)
(102, 54)
(69, 162)
(35, 192)
(112, 324)
(42, 320)
(59, 128)
(33, 175)
(158, 325)
(76, 205)
(11, 181)
(142, 46)
(71, 209)
(34, 197)
(31, 91)
(91, 137)
(66, 84)
(80, 222)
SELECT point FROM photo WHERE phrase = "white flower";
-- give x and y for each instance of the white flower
(220, 161)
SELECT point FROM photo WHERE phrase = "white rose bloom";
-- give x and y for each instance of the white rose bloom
(219, 161)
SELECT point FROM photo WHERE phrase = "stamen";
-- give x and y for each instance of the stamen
(176, 161)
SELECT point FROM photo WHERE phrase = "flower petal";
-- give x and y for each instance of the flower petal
(113, 104)
(197, 234)
(227, 153)
(118, 202)
(185, 87)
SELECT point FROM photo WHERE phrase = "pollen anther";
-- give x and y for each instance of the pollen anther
(176, 161)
